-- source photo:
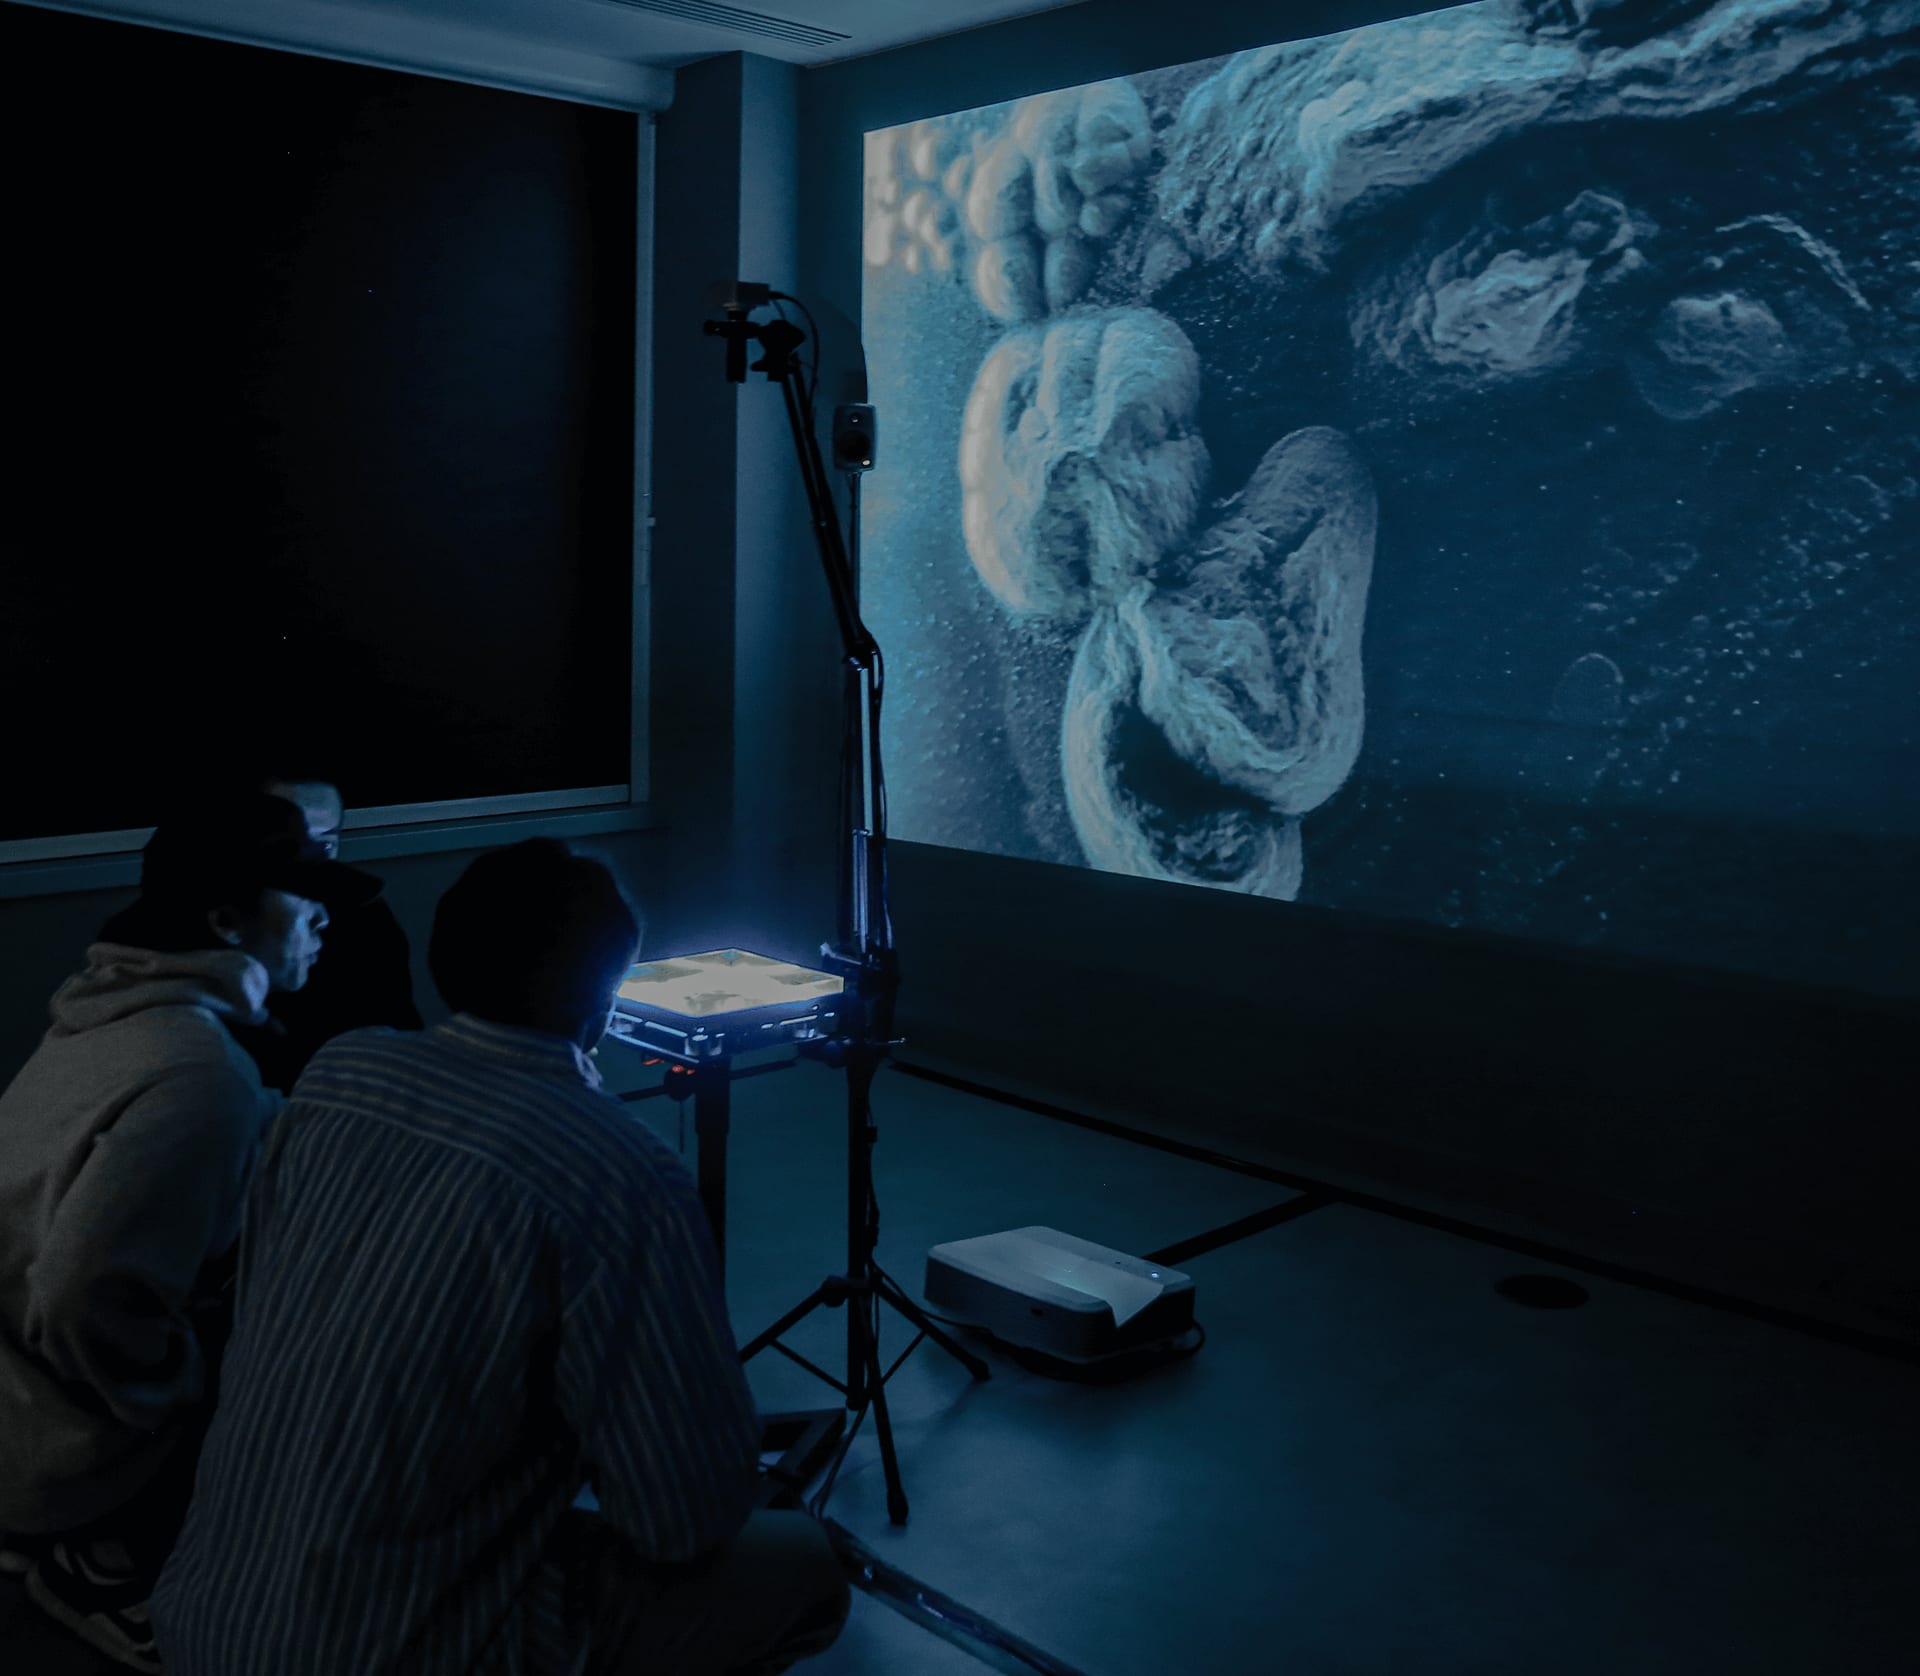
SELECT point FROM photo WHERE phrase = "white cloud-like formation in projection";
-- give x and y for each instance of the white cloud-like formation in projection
(910, 217)
(1149, 818)
(1501, 304)
(1250, 660)
(1772, 305)
(1206, 714)
(1697, 320)
(1079, 463)
(1031, 194)
(1060, 180)
(1276, 155)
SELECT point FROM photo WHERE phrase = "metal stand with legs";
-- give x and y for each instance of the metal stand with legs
(804, 1437)
(864, 1288)
(864, 955)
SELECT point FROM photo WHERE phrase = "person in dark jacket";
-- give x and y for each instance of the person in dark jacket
(127, 1144)
(366, 976)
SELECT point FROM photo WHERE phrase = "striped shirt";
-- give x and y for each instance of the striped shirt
(470, 1283)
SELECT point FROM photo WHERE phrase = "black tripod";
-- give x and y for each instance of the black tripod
(864, 955)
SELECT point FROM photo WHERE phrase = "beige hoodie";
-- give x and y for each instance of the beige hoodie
(126, 1145)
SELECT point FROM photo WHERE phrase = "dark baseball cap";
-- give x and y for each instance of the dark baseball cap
(233, 846)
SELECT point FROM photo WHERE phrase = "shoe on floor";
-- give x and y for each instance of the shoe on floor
(17, 1553)
(106, 1608)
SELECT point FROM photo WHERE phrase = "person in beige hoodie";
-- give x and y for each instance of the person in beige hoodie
(127, 1142)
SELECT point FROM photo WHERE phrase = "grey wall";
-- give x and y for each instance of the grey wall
(786, 752)
(1732, 1133)
(695, 456)
(744, 766)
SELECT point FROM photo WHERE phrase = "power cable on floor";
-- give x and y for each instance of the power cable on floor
(992, 1645)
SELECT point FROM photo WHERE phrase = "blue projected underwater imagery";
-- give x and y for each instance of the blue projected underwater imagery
(1463, 470)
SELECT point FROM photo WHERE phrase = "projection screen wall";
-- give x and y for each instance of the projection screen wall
(1463, 469)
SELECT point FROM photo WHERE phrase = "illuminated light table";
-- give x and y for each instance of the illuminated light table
(700, 1012)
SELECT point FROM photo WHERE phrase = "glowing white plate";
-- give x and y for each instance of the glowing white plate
(722, 982)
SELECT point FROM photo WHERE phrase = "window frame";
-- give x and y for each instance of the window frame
(73, 861)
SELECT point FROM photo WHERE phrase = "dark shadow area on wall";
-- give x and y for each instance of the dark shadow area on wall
(1777, 901)
(1740, 1131)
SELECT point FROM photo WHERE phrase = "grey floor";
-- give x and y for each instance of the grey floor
(1377, 1464)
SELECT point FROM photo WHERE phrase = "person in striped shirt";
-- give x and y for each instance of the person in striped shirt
(471, 1284)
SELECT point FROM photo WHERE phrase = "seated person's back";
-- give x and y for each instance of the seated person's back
(470, 1283)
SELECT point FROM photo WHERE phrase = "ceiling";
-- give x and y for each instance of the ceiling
(658, 33)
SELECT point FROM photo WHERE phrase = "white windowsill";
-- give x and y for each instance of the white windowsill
(73, 874)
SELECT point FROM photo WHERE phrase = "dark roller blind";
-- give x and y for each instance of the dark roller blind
(319, 407)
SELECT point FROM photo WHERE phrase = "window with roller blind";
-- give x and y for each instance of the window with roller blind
(321, 403)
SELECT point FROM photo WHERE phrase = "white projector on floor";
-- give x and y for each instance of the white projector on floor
(1067, 1298)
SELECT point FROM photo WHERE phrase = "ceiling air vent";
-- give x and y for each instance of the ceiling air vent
(732, 17)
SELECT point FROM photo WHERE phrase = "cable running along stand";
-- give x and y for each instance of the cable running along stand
(864, 955)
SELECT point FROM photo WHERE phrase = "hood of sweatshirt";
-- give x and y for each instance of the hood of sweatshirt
(120, 981)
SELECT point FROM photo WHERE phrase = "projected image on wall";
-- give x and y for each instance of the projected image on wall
(1460, 469)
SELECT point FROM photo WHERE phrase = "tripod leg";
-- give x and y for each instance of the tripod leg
(883, 1428)
(819, 1300)
(914, 1313)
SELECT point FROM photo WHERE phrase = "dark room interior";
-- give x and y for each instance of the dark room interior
(1390, 533)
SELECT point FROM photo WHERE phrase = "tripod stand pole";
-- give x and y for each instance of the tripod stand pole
(859, 1222)
(712, 1110)
(865, 954)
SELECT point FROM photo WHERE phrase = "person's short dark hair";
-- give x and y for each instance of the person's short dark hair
(534, 936)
